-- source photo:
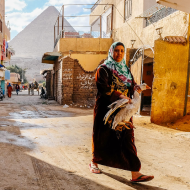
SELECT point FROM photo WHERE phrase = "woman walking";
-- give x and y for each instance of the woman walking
(9, 88)
(114, 148)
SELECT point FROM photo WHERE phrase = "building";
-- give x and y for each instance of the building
(146, 28)
(5, 51)
(156, 40)
(72, 78)
(155, 37)
(75, 58)
(14, 79)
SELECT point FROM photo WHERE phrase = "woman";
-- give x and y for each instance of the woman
(114, 148)
(9, 88)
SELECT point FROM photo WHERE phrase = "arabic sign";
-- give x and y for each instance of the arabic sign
(67, 74)
(86, 81)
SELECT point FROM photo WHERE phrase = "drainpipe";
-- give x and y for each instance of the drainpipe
(142, 67)
(188, 71)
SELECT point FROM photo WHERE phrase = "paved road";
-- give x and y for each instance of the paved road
(25, 92)
(45, 146)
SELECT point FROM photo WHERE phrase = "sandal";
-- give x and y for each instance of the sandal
(140, 179)
(94, 169)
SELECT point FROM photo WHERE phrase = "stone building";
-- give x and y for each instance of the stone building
(156, 39)
(72, 79)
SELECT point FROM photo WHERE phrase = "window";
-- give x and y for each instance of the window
(128, 9)
(108, 23)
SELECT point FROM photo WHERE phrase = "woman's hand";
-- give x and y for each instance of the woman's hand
(137, 88)
(125, 97)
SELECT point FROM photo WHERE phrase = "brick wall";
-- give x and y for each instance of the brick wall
(58, 81)
(67, 76)
(48, 83)
(84, 91)
(72, 84)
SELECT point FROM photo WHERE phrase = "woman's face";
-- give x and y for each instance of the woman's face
(118, 53)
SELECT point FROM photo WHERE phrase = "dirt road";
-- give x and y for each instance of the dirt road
(44, 146)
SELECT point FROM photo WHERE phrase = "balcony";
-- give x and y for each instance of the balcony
(94, 25)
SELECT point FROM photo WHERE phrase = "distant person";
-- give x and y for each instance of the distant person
(42, 92)
(17, 88)
(9, 88)
(32, 89)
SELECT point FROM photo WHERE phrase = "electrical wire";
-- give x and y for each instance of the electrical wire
(129, 25)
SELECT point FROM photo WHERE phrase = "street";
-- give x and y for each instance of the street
(46, 146)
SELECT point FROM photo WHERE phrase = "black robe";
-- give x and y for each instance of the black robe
(109, 147)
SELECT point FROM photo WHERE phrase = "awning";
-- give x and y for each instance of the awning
(182, 5)
(50, 57)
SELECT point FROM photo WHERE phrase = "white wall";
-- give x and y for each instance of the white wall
(104, 23)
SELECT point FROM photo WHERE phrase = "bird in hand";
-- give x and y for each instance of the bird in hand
(127, 110)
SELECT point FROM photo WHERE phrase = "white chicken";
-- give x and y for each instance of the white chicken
(127, 110)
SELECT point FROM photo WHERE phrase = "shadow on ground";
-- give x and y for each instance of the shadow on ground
(137, 186)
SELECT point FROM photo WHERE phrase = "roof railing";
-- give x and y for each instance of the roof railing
(95, 5)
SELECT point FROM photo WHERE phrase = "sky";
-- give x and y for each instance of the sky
(20, 13)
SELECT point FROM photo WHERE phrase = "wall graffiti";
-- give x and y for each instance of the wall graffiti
(67, 74)
(86, 81)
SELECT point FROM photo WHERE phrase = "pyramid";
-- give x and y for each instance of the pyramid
(33, 41)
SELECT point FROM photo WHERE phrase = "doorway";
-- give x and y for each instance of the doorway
(146, 96)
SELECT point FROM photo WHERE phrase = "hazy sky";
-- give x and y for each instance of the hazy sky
(20, 13)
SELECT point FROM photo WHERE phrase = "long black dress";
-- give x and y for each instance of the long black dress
(109, 147)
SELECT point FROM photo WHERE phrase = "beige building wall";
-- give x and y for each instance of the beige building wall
(133, 28)
(169, 85)
(88, 51)
(14, 78)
